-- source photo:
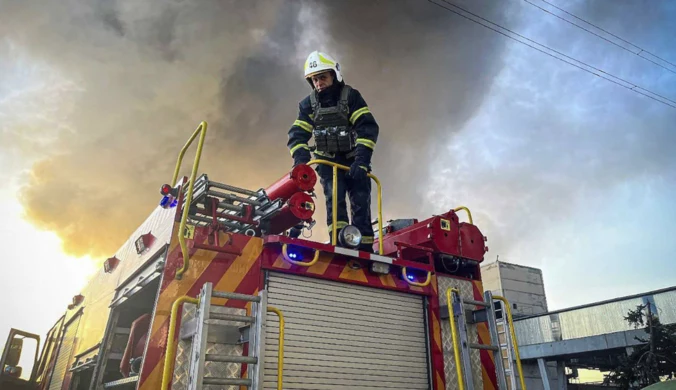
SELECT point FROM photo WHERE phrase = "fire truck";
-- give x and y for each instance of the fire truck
(219, 288)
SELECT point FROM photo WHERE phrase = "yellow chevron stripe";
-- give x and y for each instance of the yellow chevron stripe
(281, 263)
(482, 331)
(320, 267)
(238, 270)
(440, 382)
(436, 330)
(353, 274)
(387, 280)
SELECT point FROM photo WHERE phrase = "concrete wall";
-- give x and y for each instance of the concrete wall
(531, 373)
(522, 286)
(490, 277)
(524, 289)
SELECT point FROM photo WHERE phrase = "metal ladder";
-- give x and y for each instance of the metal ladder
(254, 333)
(462, 346)
(508, 352)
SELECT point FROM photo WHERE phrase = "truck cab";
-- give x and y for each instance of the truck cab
(19, 361)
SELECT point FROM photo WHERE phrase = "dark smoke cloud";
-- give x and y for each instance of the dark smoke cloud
(424, 72)
(143, 74)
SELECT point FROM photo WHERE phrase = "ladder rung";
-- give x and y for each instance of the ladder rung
(484, 346)
(473, 302)
(227, 381)
(230, 317)
(120, 382)
(122, 330)
(236, 296)
(211, 357)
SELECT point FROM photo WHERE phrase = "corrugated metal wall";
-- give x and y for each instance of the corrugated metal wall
(342, 336)
(594, 320)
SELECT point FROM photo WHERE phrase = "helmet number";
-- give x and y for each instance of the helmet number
(313, 64)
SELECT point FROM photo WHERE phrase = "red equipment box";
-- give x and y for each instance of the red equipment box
(444, 234)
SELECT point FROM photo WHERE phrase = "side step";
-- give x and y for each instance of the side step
(121, 382)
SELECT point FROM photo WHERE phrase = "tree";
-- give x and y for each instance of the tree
(654, 359)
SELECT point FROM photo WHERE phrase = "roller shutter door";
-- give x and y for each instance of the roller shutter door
(341, 336)
(64, 354)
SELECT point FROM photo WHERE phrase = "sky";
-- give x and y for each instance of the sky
(562, 170)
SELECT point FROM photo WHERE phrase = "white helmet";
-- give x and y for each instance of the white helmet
(318, 62)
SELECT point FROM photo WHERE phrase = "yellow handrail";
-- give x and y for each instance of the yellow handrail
(280, 352)
(412, 283)
(202, 131)
(301, 263)
(169, 356)
(334, 233)
(514, 341)
(454, 334)
(469, 214)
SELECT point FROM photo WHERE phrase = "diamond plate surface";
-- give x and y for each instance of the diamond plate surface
(467, 292)
(211, 369)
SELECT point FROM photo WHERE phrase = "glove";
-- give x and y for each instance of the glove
(301, 156)
(357, 172)
(362, 161)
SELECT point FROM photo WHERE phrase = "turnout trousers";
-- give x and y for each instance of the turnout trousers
(359, 192)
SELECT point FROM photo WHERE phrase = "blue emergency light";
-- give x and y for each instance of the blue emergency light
(293, 255)
(168, 201)
(169, 198)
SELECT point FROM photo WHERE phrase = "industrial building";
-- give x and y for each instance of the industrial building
(524, 289)
(590, 336)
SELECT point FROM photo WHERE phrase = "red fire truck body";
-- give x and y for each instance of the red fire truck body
(352, 319)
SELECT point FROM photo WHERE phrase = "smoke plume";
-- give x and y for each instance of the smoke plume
(123, 84)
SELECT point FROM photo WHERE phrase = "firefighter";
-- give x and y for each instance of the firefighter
(345, 132)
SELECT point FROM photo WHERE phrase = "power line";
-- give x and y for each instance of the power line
(602, 74)
(580, 65)
(640, 49)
